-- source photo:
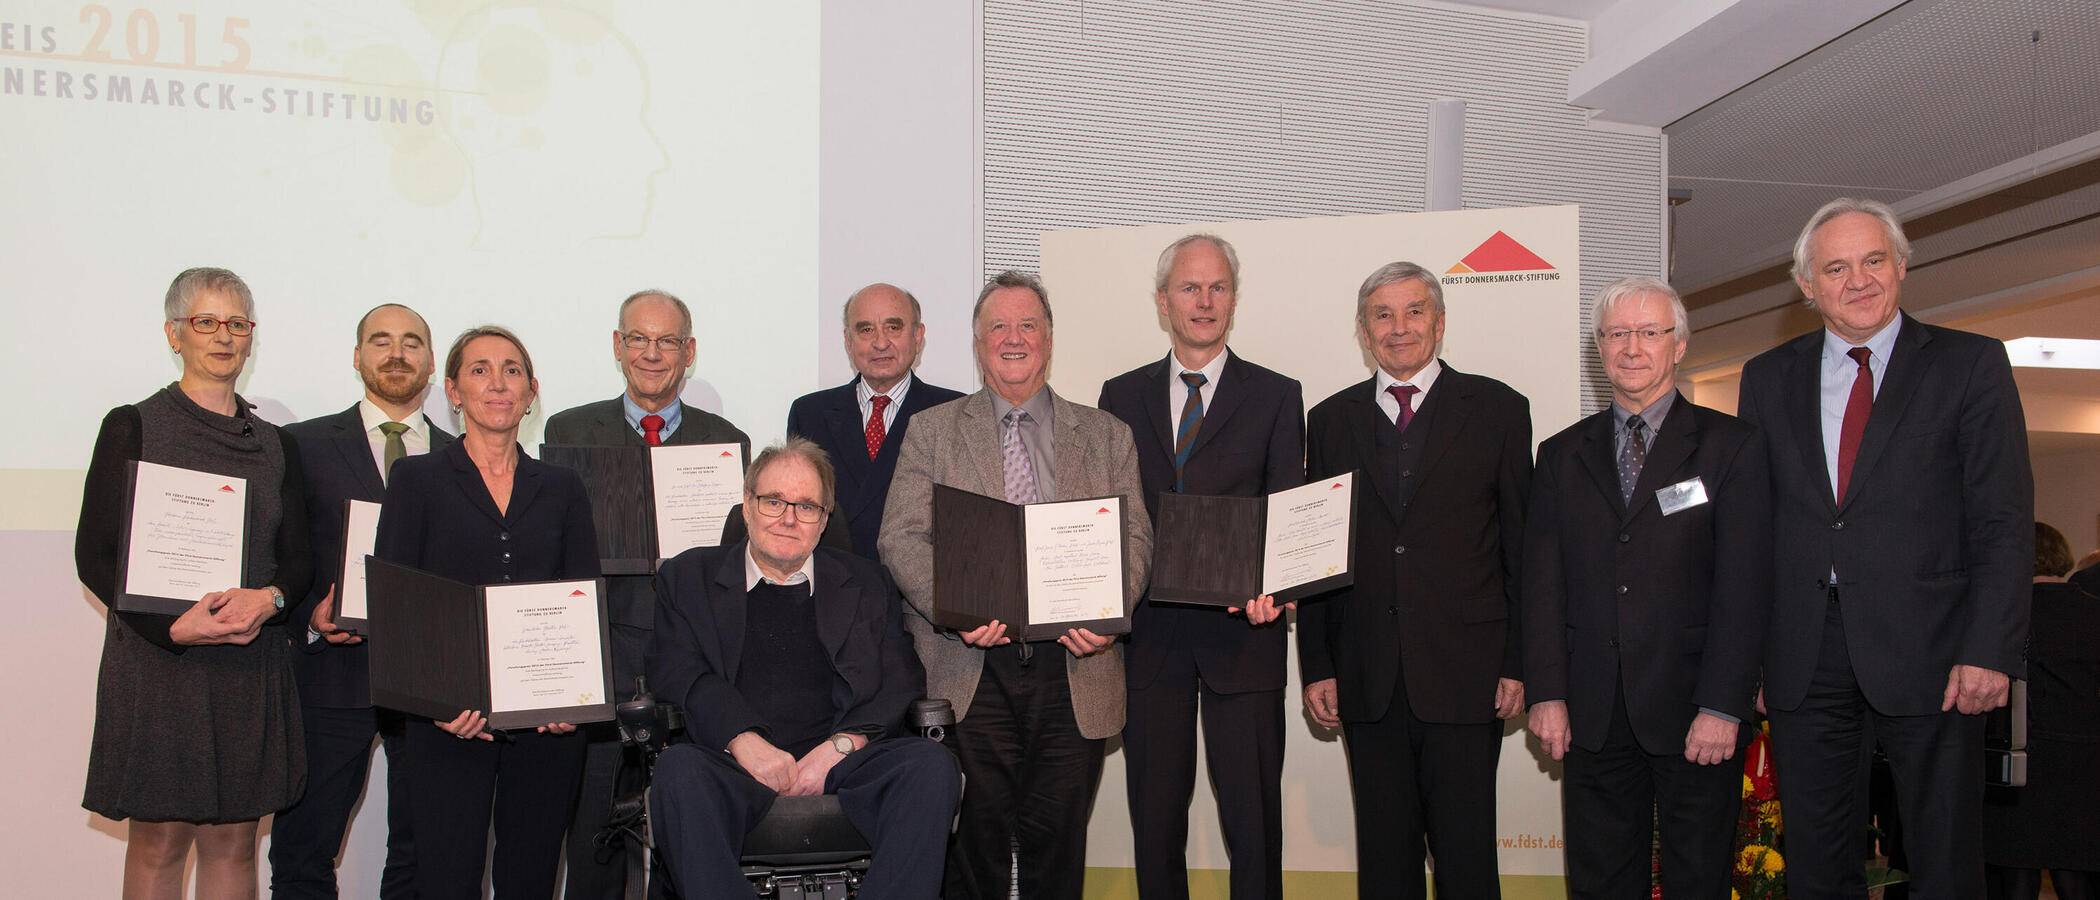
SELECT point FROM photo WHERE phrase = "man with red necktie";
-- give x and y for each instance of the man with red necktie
(1903, 514)
(861, 424)
(654, 346)
(1418, 661)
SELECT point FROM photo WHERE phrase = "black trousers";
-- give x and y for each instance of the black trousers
(1243, 750)
(306, 839)
(1030, 781)
(1614, 798)
(527, 789)
(900, 793)
(1424, 788)
(1823, 751)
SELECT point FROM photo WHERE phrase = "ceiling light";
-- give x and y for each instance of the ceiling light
(2054, 353)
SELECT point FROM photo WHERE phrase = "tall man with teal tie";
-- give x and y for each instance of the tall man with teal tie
(1207, 422)
(654, 346)
(1903, 540)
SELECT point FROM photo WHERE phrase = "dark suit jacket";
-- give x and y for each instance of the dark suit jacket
(1436, 579)
(1673, 604)
(1252, 443)
(439, 517)
(699, 644)
(630, 602)
(338, 462)
(832, 419)
(1934, 543)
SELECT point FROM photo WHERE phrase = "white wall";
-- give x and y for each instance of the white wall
(2067, 495)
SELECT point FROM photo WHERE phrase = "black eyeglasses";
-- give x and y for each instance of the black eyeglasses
(665, 344)
(774, 507)
(236, 326)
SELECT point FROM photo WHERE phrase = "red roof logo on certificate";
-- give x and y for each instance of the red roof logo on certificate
(1101, 510)
(576, 593)
(727, 453)
(1335, 486)
(1500, 253)
(227, 489)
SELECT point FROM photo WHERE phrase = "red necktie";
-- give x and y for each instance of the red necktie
(653, 429)
(1404, 393)
(875, 431)
(1857, 408)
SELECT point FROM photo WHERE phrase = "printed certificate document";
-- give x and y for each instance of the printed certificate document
(360, 535)
(695, 485)
(1225, 551)
(1041, 569)
(185, 535)
(544, 652)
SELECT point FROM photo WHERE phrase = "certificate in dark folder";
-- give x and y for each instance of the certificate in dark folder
(1225, 551)
(524, 654)
(184, 535)
(617, 480)
(1041, 569)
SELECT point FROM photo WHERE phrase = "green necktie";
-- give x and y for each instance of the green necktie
(395, 448)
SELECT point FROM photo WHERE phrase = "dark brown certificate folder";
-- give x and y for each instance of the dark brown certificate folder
(431, 651)
(622, 502)
(1212, 551)
(981, 566)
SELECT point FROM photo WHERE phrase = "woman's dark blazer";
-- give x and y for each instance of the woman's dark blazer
(439, 517)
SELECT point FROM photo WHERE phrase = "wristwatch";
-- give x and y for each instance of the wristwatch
(276, 596)
(842, 743)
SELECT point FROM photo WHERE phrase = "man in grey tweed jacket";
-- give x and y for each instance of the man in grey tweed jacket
(1031, 719)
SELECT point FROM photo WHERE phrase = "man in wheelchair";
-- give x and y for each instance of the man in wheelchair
(794, 673)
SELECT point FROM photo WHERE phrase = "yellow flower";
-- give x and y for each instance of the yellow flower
(1734, 894)
(1746, 859)
(1773, 863)
(1749, 787)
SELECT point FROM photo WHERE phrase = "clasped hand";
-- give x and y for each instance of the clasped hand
(781, 772)
(1079, 642)
(233, 616)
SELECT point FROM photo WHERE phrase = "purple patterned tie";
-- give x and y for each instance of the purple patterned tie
(1404, 393)
(1020, 472)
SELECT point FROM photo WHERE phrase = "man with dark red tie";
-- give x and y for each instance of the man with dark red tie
(1903, 514)
(861, 424)
(654, 346)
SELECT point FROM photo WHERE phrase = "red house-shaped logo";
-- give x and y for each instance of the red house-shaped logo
(1500, 253)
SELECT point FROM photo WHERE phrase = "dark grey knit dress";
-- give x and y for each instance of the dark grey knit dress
(208, 733)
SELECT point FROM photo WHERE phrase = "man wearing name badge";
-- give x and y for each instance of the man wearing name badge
(794, 671)
(1647, 574)
(1418, 660)
(1032, 720)
(861, 424)
(1903, 523)
(1207, 422)
(654, 345)
(346, 457)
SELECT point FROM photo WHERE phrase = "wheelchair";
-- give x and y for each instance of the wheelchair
(804, 848)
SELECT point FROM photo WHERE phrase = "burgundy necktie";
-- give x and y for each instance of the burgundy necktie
(1404, 393)
(653, 429)
(875, 431)
(1857, 408)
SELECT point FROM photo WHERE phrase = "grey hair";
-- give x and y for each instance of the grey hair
(1634, 286)
(1839, 207)
(183, 291)
(846, 312)
(1166, 258)
(1394, 273)
(1011, 279)
(793, 446)
(685, 316)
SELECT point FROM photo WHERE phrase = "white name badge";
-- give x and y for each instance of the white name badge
(1681, 496)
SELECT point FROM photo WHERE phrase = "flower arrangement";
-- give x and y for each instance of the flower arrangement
(1760, 869)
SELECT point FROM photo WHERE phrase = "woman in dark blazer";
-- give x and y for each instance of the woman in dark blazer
(2050, 823)
(197, 733)
(480, 511)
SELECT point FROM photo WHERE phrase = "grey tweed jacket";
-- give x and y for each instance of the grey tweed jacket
(957, 444)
